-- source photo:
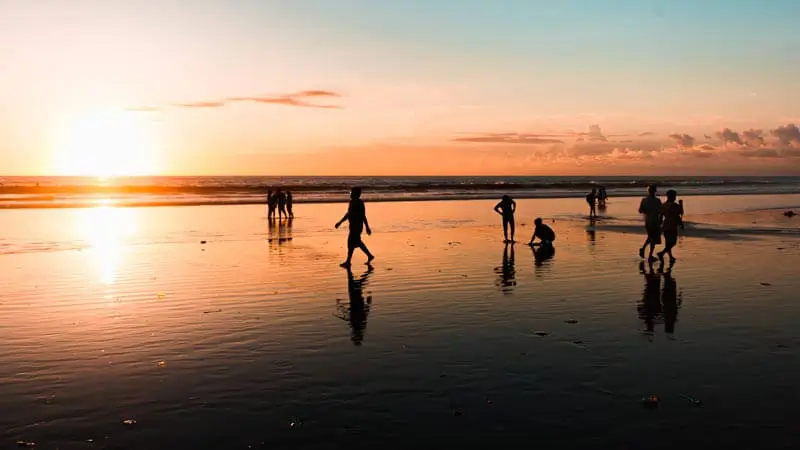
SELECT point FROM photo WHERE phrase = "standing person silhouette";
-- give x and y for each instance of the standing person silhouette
(270, 205)
(281, 199)
(650, 207)
(591, 199)
(671, 213)
(357, 217)
(289, 204)
(506, 208)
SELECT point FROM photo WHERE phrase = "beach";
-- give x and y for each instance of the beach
(209, 327)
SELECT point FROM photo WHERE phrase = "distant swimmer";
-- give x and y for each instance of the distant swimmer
(591, 199)
(506, 208)
(650, 207)
(357, 217)
(545, 234)
(671, 215)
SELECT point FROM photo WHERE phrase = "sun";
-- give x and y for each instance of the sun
(106, 144)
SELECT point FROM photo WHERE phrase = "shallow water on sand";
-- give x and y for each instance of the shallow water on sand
(257, 338)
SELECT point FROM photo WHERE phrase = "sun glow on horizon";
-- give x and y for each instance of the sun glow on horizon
(105, 145)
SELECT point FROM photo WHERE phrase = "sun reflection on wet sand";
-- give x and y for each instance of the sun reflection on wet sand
(105, 229)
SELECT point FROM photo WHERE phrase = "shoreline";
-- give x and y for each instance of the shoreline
(148, 204)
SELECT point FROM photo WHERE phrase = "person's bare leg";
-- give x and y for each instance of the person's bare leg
(350, 251)
(370, 256)
(513, 229)
(505, 229)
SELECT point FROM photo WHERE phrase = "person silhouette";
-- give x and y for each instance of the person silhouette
(506, 271)
(650, 207)
(591, 199)
(359, 307)
(545, 234)
(289, 202)
(506, 208)
(281, 201)
(270, 204)
(357, 218)
(672, 218)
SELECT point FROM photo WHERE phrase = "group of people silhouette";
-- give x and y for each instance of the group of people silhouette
(281, 203)
(661, 218)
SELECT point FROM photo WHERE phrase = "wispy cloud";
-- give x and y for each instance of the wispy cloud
(200, 105)
(788, 135)
(729, 136)
(297, 99)
(510, 138)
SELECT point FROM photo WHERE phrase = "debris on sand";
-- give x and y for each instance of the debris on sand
(541, 333)
(27, 444)
(162, 364)
(692, 400)
(571, 321)
(129, 422)
(212, 311)
(766, 284)
(202, 242)
(651, 401)
(789, 214)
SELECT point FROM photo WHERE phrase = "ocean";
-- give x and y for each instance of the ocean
(78, 192)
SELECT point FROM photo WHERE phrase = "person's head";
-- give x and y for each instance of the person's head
(355, 193)
(506, 198)
(651, 190)
(672, 195)
(538, 221)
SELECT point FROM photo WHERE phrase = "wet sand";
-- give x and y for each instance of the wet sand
(257, 338)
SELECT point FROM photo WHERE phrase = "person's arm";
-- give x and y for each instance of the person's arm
(497, 208)
(513, 206)
(680, 217)
(641, 207)
(366, 225)
(532, 238)
(346, 217)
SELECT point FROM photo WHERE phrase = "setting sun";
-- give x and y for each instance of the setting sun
(104, 145)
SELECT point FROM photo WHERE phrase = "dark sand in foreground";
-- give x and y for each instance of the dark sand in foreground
(257, 338)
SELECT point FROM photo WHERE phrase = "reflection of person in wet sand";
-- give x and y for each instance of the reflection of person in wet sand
(507, 273)
(672, 302)
(359, 308)
(280, 231)
(356, 216)
(506, 208)
(650, 306)
(542, 254)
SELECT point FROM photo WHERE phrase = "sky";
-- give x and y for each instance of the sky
(412, 87)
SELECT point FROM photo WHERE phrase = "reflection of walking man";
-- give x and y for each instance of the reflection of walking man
(359, 308)
(357, 217)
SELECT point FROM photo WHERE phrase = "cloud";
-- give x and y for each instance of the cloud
(595, 134)
(707, 137)
(753, 137)
(706, 147)
(294, 99)
(683, 140)
(646, 133)
(788, 135)
(510, 138)
(282, 100)
(729, 136)
(143, 109)
(760, 153)
(200, 105)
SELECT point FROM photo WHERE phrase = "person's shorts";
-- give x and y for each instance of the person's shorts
(654, 235)
(354, 240)
(670, 238)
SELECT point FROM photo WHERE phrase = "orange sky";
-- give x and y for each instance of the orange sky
(381, 88)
